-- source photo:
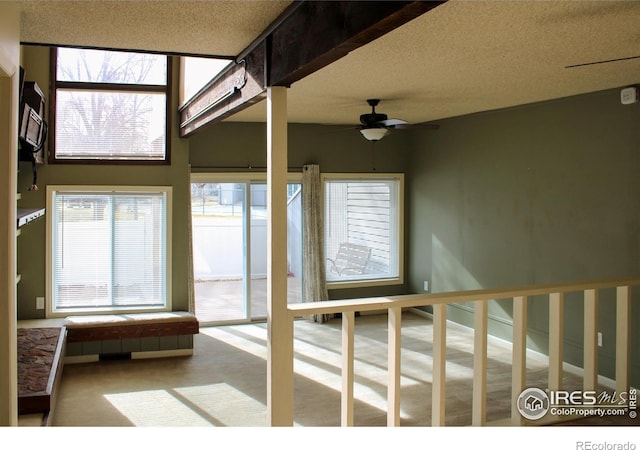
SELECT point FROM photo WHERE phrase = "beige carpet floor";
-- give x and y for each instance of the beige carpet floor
(224, 383)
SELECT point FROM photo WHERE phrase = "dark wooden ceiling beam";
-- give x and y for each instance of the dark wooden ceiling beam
(307, 37)
(321, 32)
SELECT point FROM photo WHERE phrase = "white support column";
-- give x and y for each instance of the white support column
(438, 386)
(519, 367)
(590, 381)
(280, 325)
(394, 352)
(556, 340)
(348, 334)
(479, 411)
(623, 339)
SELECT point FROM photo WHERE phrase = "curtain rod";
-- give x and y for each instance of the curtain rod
(247, 167)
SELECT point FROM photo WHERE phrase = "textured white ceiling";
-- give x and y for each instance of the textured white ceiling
(207, 27)
(469, 56)
(461, 57)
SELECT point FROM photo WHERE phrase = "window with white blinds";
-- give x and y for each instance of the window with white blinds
(363, 234)
(110, 105)
(109, 249)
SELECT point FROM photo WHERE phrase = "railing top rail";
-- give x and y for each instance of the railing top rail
(427, 299)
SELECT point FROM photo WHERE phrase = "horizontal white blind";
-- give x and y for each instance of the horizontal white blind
(109, 250)
(110, 105)
(110, 125)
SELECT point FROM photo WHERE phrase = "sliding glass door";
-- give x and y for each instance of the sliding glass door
(219, 239)
(229, 219)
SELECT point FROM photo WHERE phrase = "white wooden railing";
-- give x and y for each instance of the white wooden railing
(394, 305)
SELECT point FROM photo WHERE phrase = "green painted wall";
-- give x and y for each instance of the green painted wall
(536, 194)
(334, 148)
(234, 146)
(31, 244)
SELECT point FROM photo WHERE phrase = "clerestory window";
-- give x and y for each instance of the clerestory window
(109, 106)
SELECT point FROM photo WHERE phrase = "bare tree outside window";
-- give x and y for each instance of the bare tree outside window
(110, 105)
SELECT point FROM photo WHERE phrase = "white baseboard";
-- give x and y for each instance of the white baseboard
(570, 368)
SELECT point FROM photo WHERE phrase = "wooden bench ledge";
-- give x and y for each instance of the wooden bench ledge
(129, 326)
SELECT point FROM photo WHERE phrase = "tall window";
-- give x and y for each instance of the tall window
(363, 229)
(108, 249)
(110, 105)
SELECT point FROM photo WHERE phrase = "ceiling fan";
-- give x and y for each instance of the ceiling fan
(374, 125)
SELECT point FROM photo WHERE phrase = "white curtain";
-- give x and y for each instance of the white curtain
(315, 277)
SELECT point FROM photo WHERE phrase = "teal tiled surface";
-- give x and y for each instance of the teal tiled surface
(147, 344)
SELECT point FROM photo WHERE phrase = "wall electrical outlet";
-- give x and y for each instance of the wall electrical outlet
(426, 286)
(39, 302)
(599, 339)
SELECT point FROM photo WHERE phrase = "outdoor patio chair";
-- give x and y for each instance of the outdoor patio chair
(351, 259)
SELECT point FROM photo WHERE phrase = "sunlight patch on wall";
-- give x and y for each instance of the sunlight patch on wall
(449, 273)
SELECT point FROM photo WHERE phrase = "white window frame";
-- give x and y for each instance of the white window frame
(384, 281)
(51, 190)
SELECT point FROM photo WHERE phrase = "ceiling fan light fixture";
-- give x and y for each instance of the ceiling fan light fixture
(374, 134)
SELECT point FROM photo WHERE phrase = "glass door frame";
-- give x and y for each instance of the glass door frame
(246, 178)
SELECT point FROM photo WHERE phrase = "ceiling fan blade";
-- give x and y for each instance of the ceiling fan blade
(391, 122)
(418, 126)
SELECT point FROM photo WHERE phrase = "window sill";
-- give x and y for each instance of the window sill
(352, 284)
(102, 311)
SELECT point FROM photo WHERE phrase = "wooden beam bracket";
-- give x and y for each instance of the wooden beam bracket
(238, 86)
(309, 36)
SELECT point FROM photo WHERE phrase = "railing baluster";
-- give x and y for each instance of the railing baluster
(519, 367)
(590, 381)
(479, 412)
(394, 353)
(556, 340)
(623, 318)
(440, 302)
(348, 333)
(438, 399)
